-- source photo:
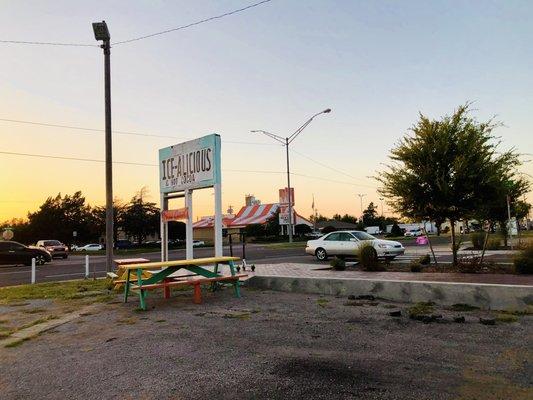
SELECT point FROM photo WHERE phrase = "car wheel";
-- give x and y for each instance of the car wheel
(40, 260)
(321, 254)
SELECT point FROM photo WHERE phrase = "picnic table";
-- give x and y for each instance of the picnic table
(163, 277)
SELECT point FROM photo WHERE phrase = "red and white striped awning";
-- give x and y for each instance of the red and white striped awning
(256, 214)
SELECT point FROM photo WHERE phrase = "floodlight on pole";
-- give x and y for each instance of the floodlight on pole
(362, 214)
(285, 141)
(101, 32)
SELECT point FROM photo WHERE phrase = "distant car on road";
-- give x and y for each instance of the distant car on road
(347, 243)
(54, 247)
(314, 235)
(14, 253)
(196, 243)
(414, 233)
(91, 247)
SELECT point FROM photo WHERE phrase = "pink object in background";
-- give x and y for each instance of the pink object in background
(421, 240)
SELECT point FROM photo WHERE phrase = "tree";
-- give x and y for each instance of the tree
(328, 229)
(254, 230)
(302, 229)
(98, 220)
(272, 227)
(58, 217)
(349, 218)
(446, 169)
(140, 218)
(370, 215)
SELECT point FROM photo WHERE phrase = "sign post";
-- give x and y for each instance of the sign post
(182, 169)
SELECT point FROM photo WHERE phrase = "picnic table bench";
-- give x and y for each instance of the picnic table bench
(161, 276)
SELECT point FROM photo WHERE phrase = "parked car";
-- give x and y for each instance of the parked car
(123, 244)
(314, 235)
(54, 247)
(414, 232)
(91, 247)
(346, 244)
(14, 253)
(196, 243)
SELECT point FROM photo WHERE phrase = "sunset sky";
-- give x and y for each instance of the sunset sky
(376, 64)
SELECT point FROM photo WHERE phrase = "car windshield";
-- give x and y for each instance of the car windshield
(362, 235)
(52, 242)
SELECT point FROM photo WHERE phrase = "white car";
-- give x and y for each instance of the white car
(346, 243)
(196, 243)
(90, 247)
(414, 232)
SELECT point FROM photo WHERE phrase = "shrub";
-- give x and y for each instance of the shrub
(328, 229)
(523, 261)
(469, 265)
(338, 264)
(477, 238)
(415, 266)
(396, 230)
(425, 259)
(368, 258)
(493, 243)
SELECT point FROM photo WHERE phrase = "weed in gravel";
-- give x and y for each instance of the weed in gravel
(507, 318)
(322, 302)
(160, 320)
(34, 310)
(242, 316)
(420, 309)
(127, 321)
(37, 321)
(463, 307)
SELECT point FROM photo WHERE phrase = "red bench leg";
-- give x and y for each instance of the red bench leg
(166, 292)
(197, 299)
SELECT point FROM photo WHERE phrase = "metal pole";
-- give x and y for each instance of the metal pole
(33, 271)
(86, 266)
(289, 188)
(509, 227)
(108, 160)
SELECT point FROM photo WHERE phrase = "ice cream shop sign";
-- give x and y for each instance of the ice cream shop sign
(190, 165)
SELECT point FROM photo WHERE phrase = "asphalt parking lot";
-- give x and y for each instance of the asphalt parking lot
(271, 345)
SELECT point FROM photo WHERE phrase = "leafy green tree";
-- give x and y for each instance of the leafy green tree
(140, 218)
(370, 215)
(98, 220)
(58, 217)
(446, 169)
(302, 229)
(254, 231)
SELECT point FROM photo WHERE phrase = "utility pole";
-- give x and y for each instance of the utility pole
(101, 32)
(286, 141)
(381, 199)
(509, 226)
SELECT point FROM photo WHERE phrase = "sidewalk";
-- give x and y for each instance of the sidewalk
(292, 270)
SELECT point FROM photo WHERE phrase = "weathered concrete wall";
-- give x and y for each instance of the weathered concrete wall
(484, 296)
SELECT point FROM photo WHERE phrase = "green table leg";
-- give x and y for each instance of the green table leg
(236, 284)
(142, 293)
(214, 285)
(127, 286)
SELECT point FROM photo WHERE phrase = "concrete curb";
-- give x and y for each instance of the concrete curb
(32, 331)
(484, 296)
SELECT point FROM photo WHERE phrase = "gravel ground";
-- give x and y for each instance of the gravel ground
(270, 345)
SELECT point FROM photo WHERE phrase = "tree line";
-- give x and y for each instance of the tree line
(70, 219)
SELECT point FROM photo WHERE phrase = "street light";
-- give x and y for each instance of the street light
(286, 141)
(102, 33)
(362, 214)
(381, 199)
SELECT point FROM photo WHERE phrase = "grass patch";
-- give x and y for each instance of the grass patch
(463, 307)
(51, 290)
(420, 309)
(322, 302)
(34, 311)
(127, 321)
(285, 245)
(37, 321)
(528, 311)
(16, 343)
(506, 318)
(241, 316)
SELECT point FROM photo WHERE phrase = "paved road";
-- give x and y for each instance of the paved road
(74, 266)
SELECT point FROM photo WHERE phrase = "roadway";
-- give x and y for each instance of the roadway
(74, 266)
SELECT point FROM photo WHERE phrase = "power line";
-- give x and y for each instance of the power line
(49, 43)
(80, 128)
(12, 153)
(193, 23)
(226, 14)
